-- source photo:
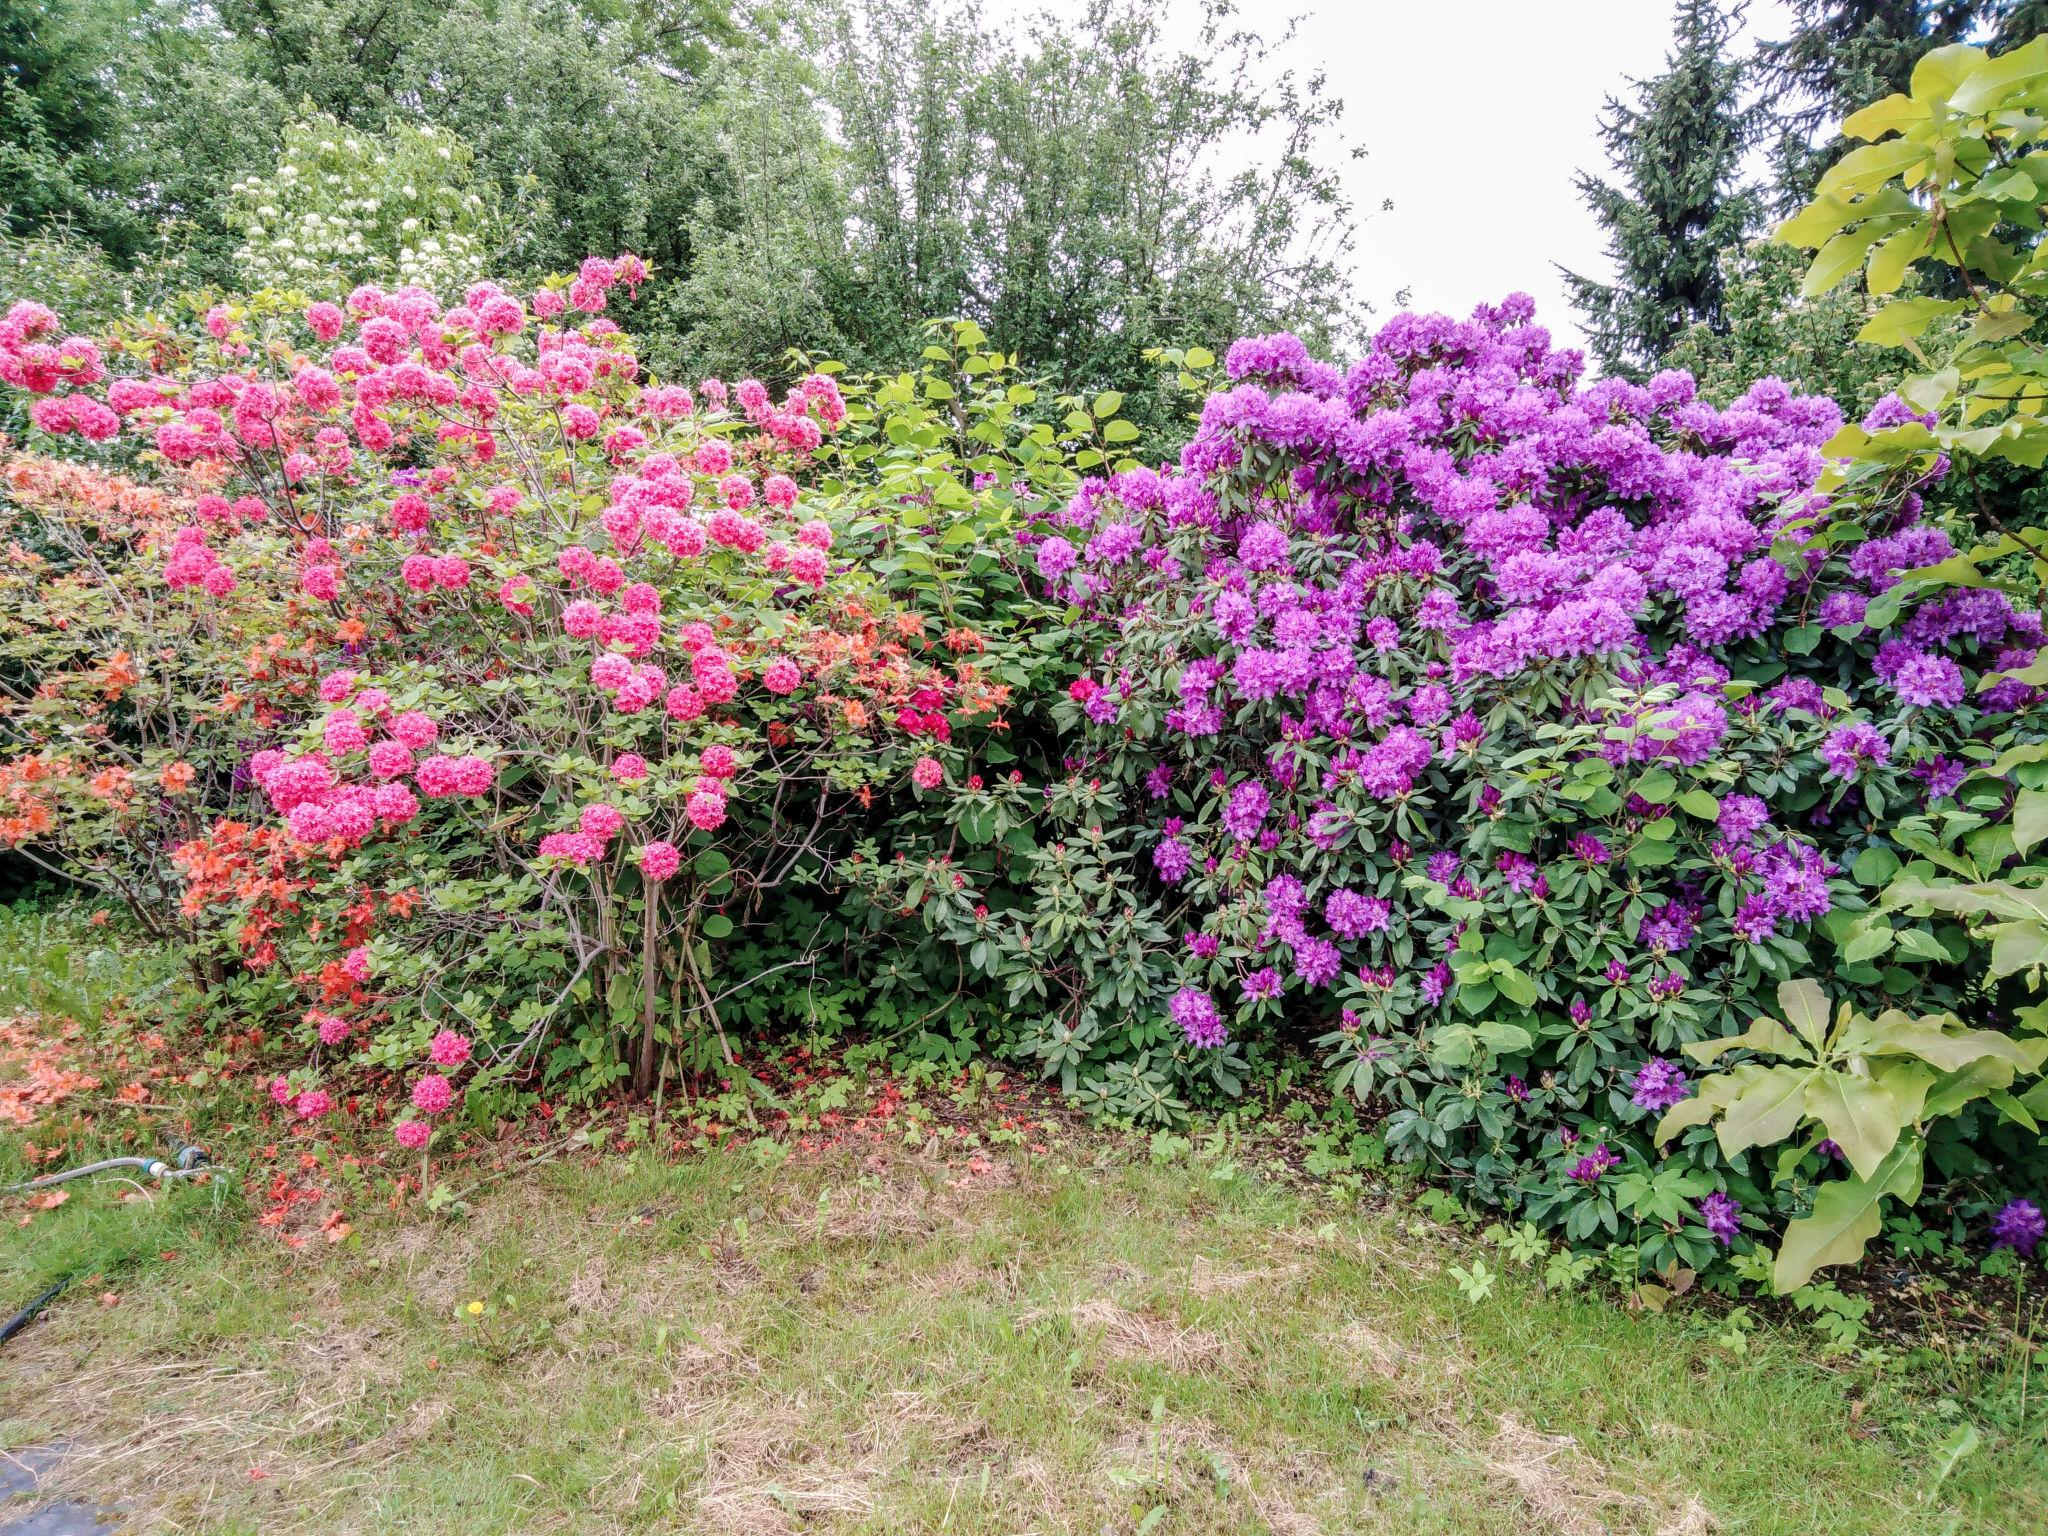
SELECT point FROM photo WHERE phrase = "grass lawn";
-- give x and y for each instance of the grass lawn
(902, 1339)
(711, 1346)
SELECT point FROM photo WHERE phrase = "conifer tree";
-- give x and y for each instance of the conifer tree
(1678, 200)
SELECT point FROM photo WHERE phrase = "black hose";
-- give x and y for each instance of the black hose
(27, 1314)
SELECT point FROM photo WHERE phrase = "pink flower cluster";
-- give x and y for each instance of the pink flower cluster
(320, 806)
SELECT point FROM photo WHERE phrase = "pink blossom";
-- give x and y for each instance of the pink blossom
(659, 860)
(432, 1094)
(414, 730)
(449, 1049)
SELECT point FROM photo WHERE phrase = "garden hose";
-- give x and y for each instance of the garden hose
(27, 1314)
(191, 1160)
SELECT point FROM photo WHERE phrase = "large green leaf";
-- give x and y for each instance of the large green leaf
(1767, 1109)
(1805, 1008)
(1937, 1039)
(1867, 168)
(1846, 1215)
(1838, 258)
(2020, 71)
(1766, 1034)
(1895, 114)
(1858, 1114)
(2029, 818)
(1712, 1098)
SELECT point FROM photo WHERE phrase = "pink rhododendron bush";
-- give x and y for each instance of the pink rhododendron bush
(1504, 735)
(452, 687)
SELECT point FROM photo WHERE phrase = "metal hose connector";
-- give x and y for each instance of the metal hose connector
(190, 1161)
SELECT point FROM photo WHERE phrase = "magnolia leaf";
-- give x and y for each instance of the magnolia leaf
(1953, 1090)
(1860, 1116)
(1765, 1034)
(1767, 1109)
(1805, 1008)
(2022, 69)
(1940, 71)
(1837, 259)
(1846, 1215)
(1903, 320)
(2029, 818)
(2018, 947)
(2014, 1110)
(1813, 224)
(1714, 1096)
(1895, 114)
(1908, 1083)
(1894, 255)
(1934, 1041)
(1869, 167)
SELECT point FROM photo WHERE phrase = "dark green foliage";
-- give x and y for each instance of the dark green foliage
(1679, 203)
(57, 157)
(824, 183)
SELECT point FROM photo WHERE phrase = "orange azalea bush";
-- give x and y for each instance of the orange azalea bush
(455, 683)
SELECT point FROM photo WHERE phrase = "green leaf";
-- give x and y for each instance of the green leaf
(1514, 985)
(711, 864)
(1894, 114)
(1107, 404)
(717, 926)
(1875, 865)
(1991, 82)
(1656, 787)
(1700, 803)
(1858, 1114)
(1903, 320)
(1846, 1216)
(1888, 263)
(2029, 818)
(1805, 1008)
(1712, 1098)
(1867, 168)
(1767, 1109)
(1871, 937)
(1120, 432)
(1838, 258)
(1765, 1034)
(1201, 357)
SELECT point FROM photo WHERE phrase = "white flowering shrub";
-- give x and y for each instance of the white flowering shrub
(347, 206)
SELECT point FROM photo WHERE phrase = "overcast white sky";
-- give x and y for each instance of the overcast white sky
(1475, 115)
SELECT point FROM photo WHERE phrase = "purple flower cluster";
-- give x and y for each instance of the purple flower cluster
(2020, 1226)
(1721, 1216)
(1659, 1084)
(1196, 1013)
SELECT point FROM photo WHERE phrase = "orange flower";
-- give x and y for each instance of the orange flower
(177, 777)
(109, 784)
(856, 714)
(119, 674)
(351, 632)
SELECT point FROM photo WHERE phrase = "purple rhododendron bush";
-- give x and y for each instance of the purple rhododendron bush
(1506, 734)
